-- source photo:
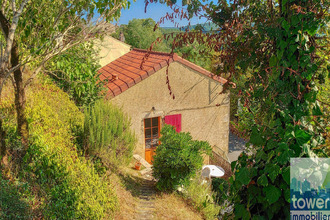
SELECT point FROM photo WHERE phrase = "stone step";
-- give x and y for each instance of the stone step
(146, 203)
(148, 186)
(141, 208)
(145, 208)
(144, 217)
(147, 192)
(146, 195)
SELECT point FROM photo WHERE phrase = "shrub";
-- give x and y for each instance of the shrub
(177, 158)
(107, 134)
(13, 204)
(202, 198)
(224, 197)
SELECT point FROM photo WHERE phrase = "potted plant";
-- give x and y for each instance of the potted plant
(137, 165)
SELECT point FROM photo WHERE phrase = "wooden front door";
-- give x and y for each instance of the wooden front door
(151, 136)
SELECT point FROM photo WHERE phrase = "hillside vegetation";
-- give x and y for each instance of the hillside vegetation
(52, 180)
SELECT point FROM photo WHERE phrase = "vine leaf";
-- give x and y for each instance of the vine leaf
(286, 175)
(272, 193)
(241, 212)
(262, 180)
(301, 136)
(256, 137)
(243, 176)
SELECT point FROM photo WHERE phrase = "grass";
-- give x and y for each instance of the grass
(172, 206)
(200, 195)
(127, 198)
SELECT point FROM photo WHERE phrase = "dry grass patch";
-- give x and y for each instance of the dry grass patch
(127, 183)
(172, 206)
(127, 193)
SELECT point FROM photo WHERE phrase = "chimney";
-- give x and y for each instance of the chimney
(121, 37)
(114, 76)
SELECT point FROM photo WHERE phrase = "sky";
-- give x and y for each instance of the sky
(154, 11)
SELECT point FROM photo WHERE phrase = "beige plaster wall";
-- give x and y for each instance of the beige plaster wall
(196, 97)
(110, 49)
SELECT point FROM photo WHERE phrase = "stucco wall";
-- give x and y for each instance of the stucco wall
(196, 99)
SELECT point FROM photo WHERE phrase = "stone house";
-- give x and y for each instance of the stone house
(168, 89)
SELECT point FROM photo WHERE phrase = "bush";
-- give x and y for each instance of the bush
(13, 202)
(177, 158)
(107, 134)
(224, 197)
(202, 198)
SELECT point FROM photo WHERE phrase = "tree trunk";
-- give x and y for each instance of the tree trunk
(20, 99)
(3, 148)
(4, 168)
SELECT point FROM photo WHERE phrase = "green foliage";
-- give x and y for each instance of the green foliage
(107, 134)
(75, 72)
(69, 184)
(14, 200)
(202, 198)
(177, 158)
(285, 124)
(196, 53)
(140, 34)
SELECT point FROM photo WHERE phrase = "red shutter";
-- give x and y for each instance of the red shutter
(174, 120)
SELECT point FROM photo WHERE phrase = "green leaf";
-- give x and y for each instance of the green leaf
(312, 30)
(272, 171)
(273, 61)
(285, 25)
(316, 110)
(243, 176)
(272, 193)
(256, 138)
(283, 44)
(233, 164)
(301, 136)
(283, 158)
(261, 155)
(294, 20)
(262, 180)
(286, 174)
(282, 152)
(241, 212)
(287, 194)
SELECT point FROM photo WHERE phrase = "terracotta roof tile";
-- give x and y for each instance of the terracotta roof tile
(125, 71)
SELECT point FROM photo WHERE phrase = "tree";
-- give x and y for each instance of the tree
(75, 71)
(33, 32)
(276, 42)
(140, 34)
